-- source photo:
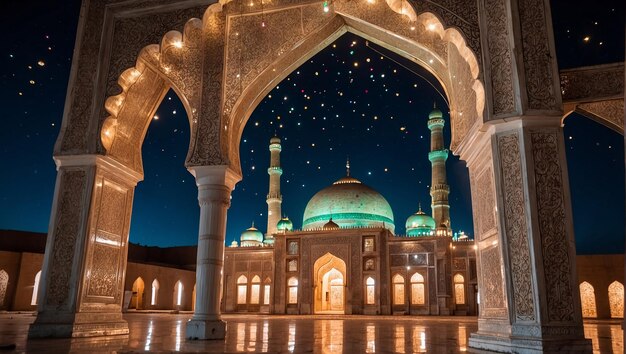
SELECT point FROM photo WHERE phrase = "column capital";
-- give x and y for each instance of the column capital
(107, 163)
(216, 175)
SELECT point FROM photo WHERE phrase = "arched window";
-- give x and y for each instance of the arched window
(370, 291)
(398, 289)
(292, 285)
(266, 291)
(459, 289)
(418, 293)
(616, 299)
(155, 292)
(588, 300)
(242, 290)
(4, 284)
(137, 299)
(255, 290)
(33, 300)
(178, 290)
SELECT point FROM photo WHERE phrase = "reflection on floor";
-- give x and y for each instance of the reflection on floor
(288, 334)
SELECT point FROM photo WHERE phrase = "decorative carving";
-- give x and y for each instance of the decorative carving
(483, 196)
(491, 274)
(104, 270)
(4, 284)
(588, 300)
(418, 259)
(551, 219)
(112, 209)
(397, 260)
(592, 82)
(459, 264)
(616, 299)
(538, 59)
(500, 62)
(515, 226)
(71, 193)
(608, 112)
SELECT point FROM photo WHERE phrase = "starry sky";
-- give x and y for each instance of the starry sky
(352, 99)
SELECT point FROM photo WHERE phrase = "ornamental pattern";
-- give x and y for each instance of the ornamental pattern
(616, 299)
(551, 219)
(104, 270)
(588, 300)
(516, 230)
(483, 198)
(610, 112)
(491, 274)
(72, 189)
(538, 58)
(592, 82)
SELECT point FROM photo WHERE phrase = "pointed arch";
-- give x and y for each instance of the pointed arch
(292, 290)
(459, 289)
(588, 300)
(33, 300)
(138, 293)
(4, 284)
(178, 293)
(242, 290)
(398, 289)
(255, 290)
(370, 291)
(418, 289)
(616, 299)
(154, 297)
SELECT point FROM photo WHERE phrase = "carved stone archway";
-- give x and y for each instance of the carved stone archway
(494, 58)
(328, 264)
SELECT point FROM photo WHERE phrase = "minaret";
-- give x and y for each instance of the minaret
(438, 155)
(274, 199)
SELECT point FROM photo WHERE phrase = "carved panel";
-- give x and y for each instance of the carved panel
(538, 60)
(411, 247)
(112, 209)
(552, 227)
(398, 260)
(4, 284)
(103, 275)
(492, 291)
(460, 264)
(500, 61)
(610, 112)
(418, 259)
(592, 83)
(484, 202)
(515, 225)
(71, 193)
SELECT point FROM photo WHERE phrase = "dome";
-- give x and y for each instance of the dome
(284, 224)
(234, 244)
(420, 224)
(435, 113)
(275, 140)
(349, 203)
(251, 237)
(330, 225)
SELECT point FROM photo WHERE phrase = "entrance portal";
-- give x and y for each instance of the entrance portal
(330, 284)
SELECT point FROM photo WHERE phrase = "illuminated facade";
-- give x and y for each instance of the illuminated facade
(347, 259)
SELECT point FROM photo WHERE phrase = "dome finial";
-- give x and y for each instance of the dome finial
(419, 207)
(348, 166)
(434, 104)
(253, 223)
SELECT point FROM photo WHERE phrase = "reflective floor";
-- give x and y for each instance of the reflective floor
(286, 334)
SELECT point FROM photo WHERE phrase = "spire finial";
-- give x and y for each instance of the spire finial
(419, 207)
(348, 166)
(434, 104)
(253, 223)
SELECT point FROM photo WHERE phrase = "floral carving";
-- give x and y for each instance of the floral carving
(71, 192)
(592, 83)
(491, 274)
(607, 112)
(104, 270)
(498, 35)
(551, 219)
(483, 197)
(538, 58)
(515, 226)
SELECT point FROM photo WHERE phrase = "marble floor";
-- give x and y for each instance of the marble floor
(284, 334)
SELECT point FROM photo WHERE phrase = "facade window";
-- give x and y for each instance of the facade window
(255, 290)
(370, 291)
(292, 247)
(368, 244)
(398, 289)
(155, 292)
(459, 289)
(292, 265)
(588, 300)
(292, 285)
(33, 300)
(179, 293)
(242, 290)
(418, 293)
(616, 299)
(266, 291)
(369, 264)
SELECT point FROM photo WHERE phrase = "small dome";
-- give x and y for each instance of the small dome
(251, 237)
(435, 113)
(420, 224)
(284, 224)
(330, 225)
(234, 244)
(275, 140)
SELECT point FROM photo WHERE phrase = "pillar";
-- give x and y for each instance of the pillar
(529, 298)
(215, 183)
(274, 198)
(82, 282)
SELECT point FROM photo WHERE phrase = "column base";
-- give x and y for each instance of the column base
(77, 330)
(506, 344)
(205, 329)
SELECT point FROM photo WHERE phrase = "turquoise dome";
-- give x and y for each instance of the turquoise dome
(420, 224)
(284, 224)
(350, 204)
(251, 237)
(435, 113)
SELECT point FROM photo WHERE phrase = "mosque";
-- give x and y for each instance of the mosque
(347, 259)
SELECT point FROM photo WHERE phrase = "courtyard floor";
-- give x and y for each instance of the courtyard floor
(157, 332)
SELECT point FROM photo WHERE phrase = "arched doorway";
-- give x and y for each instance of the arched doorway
(330, 284)
(136, 302)
(505, 125)
(4, 284)
(588, 300)
(33, 300)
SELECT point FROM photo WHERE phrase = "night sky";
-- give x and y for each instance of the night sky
(375, 112)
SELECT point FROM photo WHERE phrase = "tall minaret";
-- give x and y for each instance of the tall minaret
(438, 155)
(274, 199)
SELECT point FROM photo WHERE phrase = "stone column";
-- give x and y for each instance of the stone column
(529, 298)
(82, 283)
(215, 184)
